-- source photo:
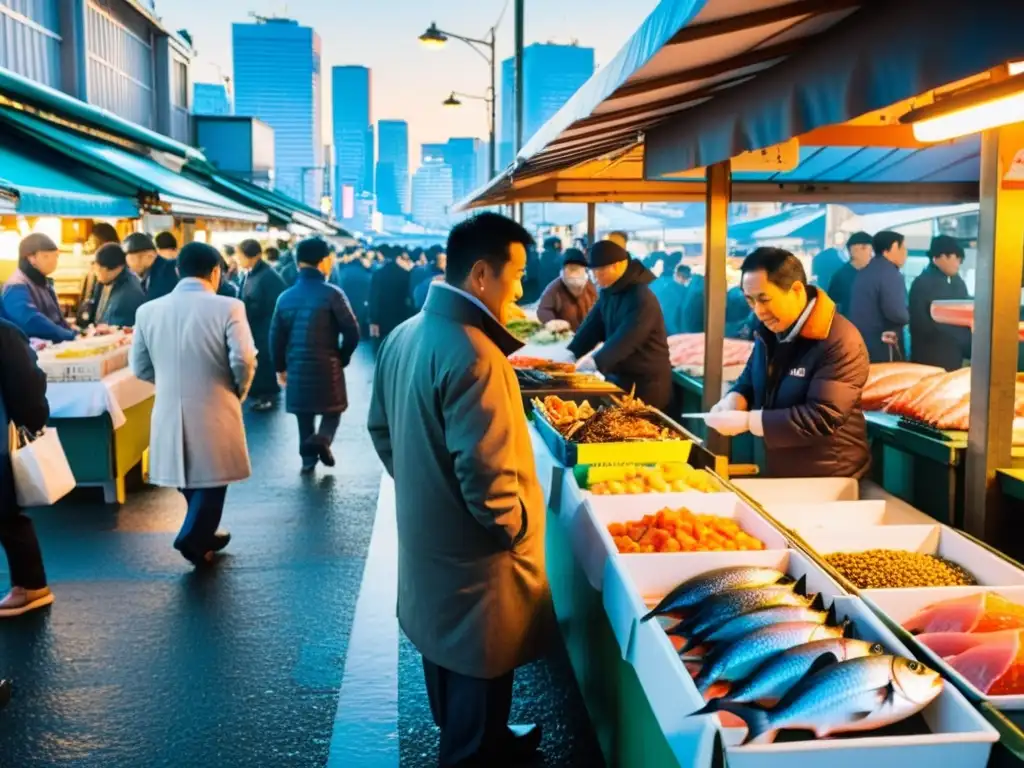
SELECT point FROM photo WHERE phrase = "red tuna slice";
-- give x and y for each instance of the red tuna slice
(947, 644)
(995, 669)
(980, 612)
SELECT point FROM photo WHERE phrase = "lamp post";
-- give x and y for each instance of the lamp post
(455, 100)
(436, 38)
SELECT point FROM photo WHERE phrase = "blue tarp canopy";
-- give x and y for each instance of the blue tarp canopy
(703, 81)
(47, 184)
(176, 193)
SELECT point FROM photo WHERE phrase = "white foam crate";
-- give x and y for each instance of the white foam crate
(901, 604)
(769, 490)
(593, 544)
(987, 568)
(845, 514)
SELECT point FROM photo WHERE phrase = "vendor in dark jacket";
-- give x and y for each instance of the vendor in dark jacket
(933, 343)
(118, 293)
(310, 318)
(23, 403)
(158, 274)
(571, 295)
(30, 302)
(878, 306)
(628, 319)
(260, 287)
(840, 287)
(801, 387)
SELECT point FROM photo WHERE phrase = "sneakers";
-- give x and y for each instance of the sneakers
(20, 600)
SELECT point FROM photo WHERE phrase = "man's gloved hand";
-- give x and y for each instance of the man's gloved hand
(734, 401)
(586, 363)
(728, 423)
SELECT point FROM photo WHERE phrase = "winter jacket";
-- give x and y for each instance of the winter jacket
(310, 318)
(879, 305)
(559, 303)
(628, 320)
(672, 299)
(22, 400)
(840, 288)
(934, 343)
(126, 296)
(808, 391)
(390, 299)
(288, 268)
(421, 274)
(161, 278)
(532, 285)
(354, 281)
(227, 288)
(31, 304)
(259, 292)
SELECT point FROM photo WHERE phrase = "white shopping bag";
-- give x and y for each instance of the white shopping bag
(42, 475)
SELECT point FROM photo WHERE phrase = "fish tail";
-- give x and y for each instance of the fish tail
(649, 615)
(758, 719)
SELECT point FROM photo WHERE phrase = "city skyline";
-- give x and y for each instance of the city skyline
(409, 80)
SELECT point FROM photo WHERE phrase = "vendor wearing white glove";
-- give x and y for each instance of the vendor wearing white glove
(801, 387)
(628, 319)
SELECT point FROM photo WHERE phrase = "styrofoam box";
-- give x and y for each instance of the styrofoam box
(941, 540)
(845, 514)
(770, 490)
(900, 604)
(595, 544)
(959, 736)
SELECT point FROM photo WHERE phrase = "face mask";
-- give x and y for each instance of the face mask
(575, 282)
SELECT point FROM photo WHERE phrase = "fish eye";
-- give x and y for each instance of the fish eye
(913, 666)
(877, 648)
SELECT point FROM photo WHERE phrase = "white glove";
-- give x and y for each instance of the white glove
(734, 401)
(586, 364)
(728, 423)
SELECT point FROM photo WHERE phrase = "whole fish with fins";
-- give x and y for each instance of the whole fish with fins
(744, 624)
(715, 611)
(692, 592)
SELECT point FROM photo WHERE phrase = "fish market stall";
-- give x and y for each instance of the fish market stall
(100, 410)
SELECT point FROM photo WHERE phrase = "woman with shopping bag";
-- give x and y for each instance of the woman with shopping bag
(23, 404)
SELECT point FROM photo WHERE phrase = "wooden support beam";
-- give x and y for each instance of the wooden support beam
(716, 250)
(994, 350)
(591, 223)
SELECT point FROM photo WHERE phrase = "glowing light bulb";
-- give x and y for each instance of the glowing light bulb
(1003, 110)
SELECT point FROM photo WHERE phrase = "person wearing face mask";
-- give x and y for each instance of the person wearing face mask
(447, 421)
(29, 299)
(118, 293)
(571, 295)
(931, 343)
(840, 287)
(801, 388)
(627, 319)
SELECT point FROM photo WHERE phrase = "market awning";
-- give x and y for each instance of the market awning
(876, 222)
(41, 183)
(864, 64)
(175, 193)
(805, 225)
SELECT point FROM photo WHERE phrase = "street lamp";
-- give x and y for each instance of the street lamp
(436, 38)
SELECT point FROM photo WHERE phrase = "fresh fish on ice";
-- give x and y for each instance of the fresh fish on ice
(694, 591)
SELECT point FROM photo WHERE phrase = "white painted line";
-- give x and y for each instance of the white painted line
(366, 723)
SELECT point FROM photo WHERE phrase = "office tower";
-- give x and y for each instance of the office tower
(393, 167)
(432, 191)
(210, 99)
(551, 74)
(277, 79)
(353, 136)
(467, 157)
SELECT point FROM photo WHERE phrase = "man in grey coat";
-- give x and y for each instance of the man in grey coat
(447, 421)
(198, 350)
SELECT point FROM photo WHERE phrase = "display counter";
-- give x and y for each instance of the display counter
(104, 427)
(923, 467)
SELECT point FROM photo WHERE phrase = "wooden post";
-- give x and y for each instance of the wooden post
(716, 249)
(591, 224)
(994, 348)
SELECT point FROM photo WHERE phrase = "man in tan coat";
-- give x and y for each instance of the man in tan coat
(198, 350)
(447, 420)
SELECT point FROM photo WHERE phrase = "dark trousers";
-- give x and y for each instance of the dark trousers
(205, 508)
(329, 423)
(472, 713)
(18, 538)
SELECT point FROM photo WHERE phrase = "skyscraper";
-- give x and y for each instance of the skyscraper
(210, 99)
(551, 75)
(353, 136)
(393, 167)
(467, 157)
(432, 191)
(277, 79)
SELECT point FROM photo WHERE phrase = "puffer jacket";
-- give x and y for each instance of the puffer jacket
(309, 319)
(809, 392)
(628, 319)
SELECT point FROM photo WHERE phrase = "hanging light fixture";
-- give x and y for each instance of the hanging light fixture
(433, 37)
(452, 101)
(975, 110)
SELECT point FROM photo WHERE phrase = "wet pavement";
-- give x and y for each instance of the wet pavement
(143, 662)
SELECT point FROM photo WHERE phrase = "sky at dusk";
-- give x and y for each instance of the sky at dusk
(410, 81)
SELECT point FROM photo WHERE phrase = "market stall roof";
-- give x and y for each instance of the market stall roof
(281, 209)
(862, 65)
(689, 56)
(175, 193)
(49, 102)
(804, 225)
(42, 183)
(876, 222)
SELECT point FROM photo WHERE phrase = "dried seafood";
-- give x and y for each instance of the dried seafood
(627, 419)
